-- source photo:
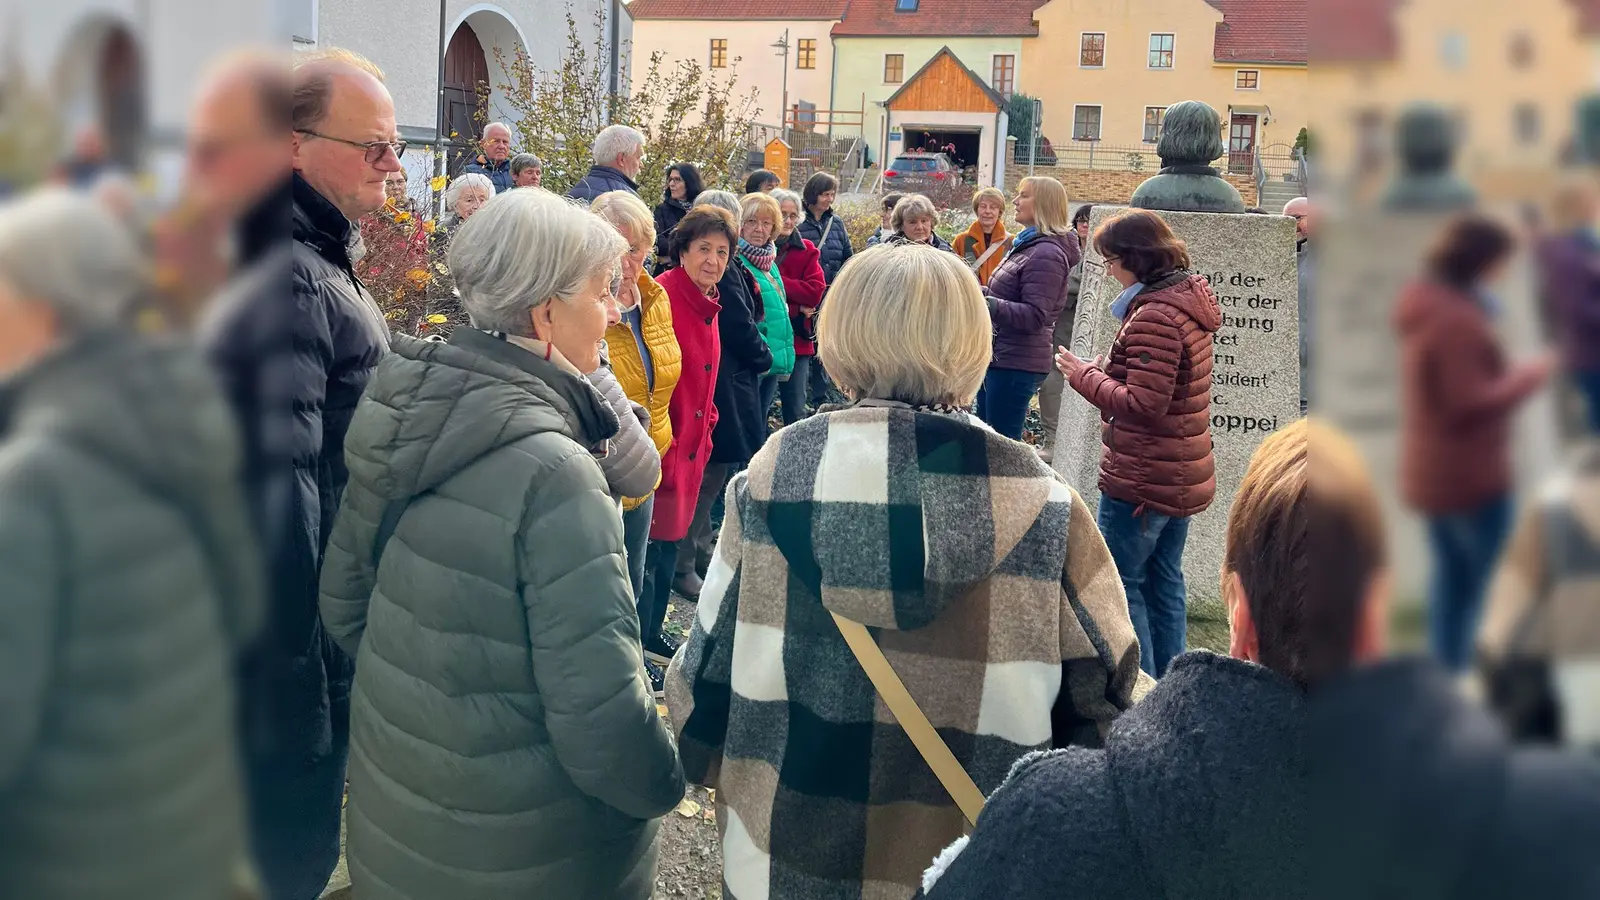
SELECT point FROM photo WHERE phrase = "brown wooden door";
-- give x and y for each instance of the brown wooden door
(1242, 144)
(465, 69)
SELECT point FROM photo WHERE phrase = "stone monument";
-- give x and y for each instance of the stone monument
(1250, 262)
(1191, 137)
(1425, 139)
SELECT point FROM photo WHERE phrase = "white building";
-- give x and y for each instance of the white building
(130, 66)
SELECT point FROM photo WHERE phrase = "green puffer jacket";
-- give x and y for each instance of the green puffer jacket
(504, 743)
(775, 328)
(129, 577)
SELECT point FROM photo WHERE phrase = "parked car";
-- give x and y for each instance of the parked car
(918, 171)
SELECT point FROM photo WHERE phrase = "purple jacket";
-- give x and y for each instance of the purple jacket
(1570, 272)
(1026, 296)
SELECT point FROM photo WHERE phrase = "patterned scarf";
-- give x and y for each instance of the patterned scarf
(760, 257)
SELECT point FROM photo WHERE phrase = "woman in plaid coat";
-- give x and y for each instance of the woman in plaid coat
(978, 570)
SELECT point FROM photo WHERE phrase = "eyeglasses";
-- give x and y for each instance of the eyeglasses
(374, 149)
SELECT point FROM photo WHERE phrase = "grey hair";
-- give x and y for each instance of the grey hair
(462, 182)
(720, 199)
(69, 251)
(911, 206)
(497, 125)
(783, 195)
(524, 161)
(615, 140)
(535, 247)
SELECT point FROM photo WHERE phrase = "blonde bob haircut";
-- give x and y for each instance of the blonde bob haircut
(906, 323)
(910, 208)
(628, 214)
(992, 195)
(754, 206)
(1052, 214)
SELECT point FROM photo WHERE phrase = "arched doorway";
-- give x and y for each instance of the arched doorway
(107, 97)
(466, 79)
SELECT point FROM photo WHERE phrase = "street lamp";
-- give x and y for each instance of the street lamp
(782, 45)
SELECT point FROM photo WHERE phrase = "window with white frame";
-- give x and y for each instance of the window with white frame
(1092, 50)
(1085, 123)
(1161, 46)
(1153, 117)
(1247, 79)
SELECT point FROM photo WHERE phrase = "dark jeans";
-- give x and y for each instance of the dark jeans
(702, 537)
(635, 538)
(294, 816)
(1148, 551)
(820, 386)
(768, 389)
(660, 559)
(1588, 384)
(1003, 400)
(1466, 547)
(792, 393)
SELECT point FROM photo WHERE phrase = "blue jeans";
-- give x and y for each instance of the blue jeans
(1003, 400)
(635, 539)
(1588, 384)
(769, 392)
(661, 560)
(1466, 547)
(1148, 551)
(793, 392)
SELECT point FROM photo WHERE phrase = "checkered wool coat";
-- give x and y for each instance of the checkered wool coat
(983, 578)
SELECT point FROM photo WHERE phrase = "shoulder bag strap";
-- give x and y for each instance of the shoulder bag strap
(934, 750)
(993, 248)
(827, 230)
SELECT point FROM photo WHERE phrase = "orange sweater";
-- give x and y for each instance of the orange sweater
(971, 245)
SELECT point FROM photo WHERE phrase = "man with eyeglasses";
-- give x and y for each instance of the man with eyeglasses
(295, 352)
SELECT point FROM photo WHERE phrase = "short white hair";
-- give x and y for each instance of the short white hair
(535, 247)
(722, 200)
(784, 195)
(463, 182)
(68, 251)
(615, 140)
(500, 125)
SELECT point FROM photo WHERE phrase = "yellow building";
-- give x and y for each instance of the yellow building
(1106, 70)
(1510, 72)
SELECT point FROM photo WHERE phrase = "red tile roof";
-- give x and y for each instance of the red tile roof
(792, 10)
(1261, 31)
(940, 18)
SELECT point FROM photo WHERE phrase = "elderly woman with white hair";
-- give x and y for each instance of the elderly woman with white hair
(992, 595)
(503, 741)
(618, 158)
(129, 578)
(800, 264)
(913, 219)
(465, 196)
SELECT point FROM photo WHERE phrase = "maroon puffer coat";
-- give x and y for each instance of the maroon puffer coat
(1026, 296)
(1154, 396)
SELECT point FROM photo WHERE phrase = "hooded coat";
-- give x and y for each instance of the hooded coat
(1154, 396)
(1458, 395)
(504, 743)
(1199, 793)
(986, 583)
(129, 579)
(1026, 297)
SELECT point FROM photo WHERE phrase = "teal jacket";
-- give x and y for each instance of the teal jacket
(776, 329)
(503, 740)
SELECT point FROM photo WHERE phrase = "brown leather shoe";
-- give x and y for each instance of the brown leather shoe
(688, 586)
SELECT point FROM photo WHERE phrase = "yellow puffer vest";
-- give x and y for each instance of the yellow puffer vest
(664, 354)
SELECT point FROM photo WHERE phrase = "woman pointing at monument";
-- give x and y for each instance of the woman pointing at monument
(1154, 395)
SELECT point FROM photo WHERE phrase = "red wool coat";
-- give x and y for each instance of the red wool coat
(803, 284)
(692, 410)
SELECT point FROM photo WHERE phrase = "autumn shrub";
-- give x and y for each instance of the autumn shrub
(405, 269)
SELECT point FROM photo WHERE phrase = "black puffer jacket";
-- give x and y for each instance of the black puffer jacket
(338, 336)
(741, 422)
(128, 579)
(668, 214)
(835, 251)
